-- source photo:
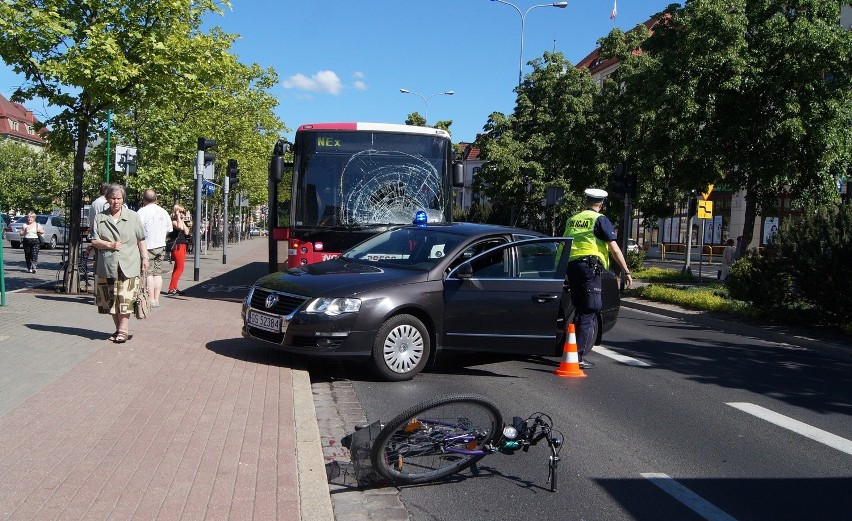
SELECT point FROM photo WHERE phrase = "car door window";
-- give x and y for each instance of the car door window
(475, 249)
(538, 260)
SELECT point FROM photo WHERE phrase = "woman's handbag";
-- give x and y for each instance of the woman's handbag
(142, 306)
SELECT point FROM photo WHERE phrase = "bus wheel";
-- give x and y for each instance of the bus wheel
(401, 348)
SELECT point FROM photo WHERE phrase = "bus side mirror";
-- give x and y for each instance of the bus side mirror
(276, 168)
(458, 174)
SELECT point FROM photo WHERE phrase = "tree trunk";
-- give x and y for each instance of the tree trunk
(748, 218)
(72, 276)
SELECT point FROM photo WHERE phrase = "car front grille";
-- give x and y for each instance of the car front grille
(287, 302)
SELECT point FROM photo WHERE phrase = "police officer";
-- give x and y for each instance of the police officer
(594, 241)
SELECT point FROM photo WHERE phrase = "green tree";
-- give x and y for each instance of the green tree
(417, 120)
(31, 179)
(543, 143)
(87, 56)
(752, 94)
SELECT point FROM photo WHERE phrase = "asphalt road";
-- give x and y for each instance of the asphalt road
(694, 424)
(15, 268)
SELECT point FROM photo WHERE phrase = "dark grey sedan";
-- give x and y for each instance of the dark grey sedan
(404, 296)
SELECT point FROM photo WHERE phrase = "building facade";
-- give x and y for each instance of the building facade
(17, 123)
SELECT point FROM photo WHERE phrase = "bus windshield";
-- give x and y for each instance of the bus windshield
(368, 178)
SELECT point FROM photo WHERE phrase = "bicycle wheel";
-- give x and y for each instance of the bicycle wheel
(436, 438)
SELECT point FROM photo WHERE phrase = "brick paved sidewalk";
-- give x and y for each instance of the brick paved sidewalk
(186, 420)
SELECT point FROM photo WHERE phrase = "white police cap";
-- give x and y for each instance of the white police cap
(596, 194)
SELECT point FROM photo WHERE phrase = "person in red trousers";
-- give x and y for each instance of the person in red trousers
(180, 237)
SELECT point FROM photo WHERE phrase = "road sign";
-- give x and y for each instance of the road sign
(125, 159)
(207, 188)
(709, 191)
(705, 209)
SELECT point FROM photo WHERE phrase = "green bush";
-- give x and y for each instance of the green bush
(761, 278)
(817, 251)
(635, 259)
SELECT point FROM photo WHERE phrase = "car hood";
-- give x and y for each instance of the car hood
(338, 278)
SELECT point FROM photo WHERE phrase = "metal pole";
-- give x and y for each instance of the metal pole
(701, 251)
(196, 234)
(226, 186)
(107, 166)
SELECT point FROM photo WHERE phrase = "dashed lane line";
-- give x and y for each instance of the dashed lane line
(693, 501)
(808, 431)
(624, 359)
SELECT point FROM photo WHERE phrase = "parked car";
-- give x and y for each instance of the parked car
(5, 223)
(404, 296)
(255, 232)
(55, 231)
(632, 246)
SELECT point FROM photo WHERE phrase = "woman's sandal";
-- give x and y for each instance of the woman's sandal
(111, 338)
(121, 337)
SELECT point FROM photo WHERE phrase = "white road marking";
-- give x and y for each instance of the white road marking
(689, 498)
(808, 431)
(620, 358)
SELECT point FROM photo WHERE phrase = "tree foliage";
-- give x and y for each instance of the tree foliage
(544, 143)
(32, 180)
(151, 64)
(752, 94)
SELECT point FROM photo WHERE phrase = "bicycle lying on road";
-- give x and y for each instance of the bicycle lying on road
(448, 434)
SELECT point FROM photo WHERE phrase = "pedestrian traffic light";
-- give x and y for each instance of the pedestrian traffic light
(692, 207)
(233, 173)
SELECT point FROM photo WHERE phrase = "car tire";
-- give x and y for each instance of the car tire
(401, 349)
(52, 244)
(15, 244)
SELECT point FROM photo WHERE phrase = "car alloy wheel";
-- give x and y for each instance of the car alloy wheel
(53, 243)
(401, 349)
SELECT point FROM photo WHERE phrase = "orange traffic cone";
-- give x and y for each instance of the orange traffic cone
(570, 365)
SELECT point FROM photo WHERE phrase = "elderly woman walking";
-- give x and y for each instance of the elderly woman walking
(119, 237)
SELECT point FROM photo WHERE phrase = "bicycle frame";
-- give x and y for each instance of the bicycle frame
(528, 435)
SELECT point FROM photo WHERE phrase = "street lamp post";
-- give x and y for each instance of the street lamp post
(523, 15)
(426, 99)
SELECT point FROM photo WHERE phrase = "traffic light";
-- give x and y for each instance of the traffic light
(618, 183)
(233, 173)
(692, 207)
(631, 184)
(203, 145)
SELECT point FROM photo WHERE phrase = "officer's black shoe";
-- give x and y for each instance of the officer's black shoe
(585, 364)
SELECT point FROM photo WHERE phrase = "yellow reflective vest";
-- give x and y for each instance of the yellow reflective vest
(582, 228)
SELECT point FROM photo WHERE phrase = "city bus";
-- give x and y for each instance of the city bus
(349, 181)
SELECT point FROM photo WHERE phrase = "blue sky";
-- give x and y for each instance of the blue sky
(345, 60)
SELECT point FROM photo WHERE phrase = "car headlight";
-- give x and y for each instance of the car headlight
(334, 306)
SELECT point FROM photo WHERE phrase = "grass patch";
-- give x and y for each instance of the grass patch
(711, 297)
(655, 274)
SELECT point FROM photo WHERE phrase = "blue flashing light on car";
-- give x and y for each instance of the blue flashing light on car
(420, 218)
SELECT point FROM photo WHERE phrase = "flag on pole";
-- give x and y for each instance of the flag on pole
(614, 9)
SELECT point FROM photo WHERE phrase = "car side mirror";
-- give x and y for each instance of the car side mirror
(464, 271)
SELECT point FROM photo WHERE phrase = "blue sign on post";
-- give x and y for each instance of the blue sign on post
(207, 188)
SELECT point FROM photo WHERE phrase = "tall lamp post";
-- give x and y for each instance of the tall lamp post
(560, 5)
(426, 99)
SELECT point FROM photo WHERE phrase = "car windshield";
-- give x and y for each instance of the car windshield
(415, 248)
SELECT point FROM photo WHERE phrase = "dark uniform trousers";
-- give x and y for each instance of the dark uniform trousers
(584, 279)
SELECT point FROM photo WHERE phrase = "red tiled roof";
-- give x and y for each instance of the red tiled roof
(470, 152)
(594, 63)
(11, 111)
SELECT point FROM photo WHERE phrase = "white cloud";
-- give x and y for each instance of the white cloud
(322, 81)
(359, 85)
(359, 75)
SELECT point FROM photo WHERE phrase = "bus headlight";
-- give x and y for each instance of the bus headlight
(333, 306)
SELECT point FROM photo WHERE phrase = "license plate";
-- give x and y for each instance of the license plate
(264, 321)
